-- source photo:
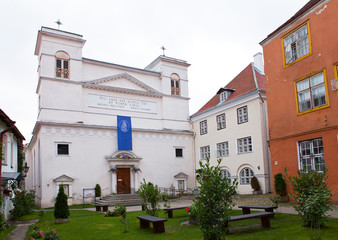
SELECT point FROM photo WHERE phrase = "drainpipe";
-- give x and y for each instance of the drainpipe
(1, 140)
(267, 155)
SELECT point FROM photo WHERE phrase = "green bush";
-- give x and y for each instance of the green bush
(255, 184)
(61, 209)
(280, 185)
(97, 190)
(150, 197)
(215, 201)
(312, 195)
(23, 203)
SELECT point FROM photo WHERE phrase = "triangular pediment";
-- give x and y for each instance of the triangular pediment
(122, 82)
(181, 175)
(63, 178)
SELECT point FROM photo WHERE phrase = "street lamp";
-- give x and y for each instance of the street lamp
(25, 169)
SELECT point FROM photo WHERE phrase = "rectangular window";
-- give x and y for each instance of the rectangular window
(242, 115)
(203, 127)
(204, 152)
(244, 145)
(178, 152)
(4, 150)
(296, 44)
(222, 149)
(62, 149)
(311, 92)
(220, 119)
(311, 155)
(62, 68)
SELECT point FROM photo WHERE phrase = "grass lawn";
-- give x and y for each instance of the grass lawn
(93, 225)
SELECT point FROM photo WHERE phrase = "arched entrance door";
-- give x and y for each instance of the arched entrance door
(123, 181)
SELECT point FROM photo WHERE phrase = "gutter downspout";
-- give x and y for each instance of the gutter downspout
(1, 140)
(267, 155)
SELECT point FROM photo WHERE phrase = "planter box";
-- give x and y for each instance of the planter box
(257, 192)
(61, 220)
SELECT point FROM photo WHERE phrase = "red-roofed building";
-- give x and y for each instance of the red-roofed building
(301, 63)
(232, 126)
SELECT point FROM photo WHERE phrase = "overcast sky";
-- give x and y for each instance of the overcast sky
(217, 37)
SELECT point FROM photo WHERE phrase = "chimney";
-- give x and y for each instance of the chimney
(258, 62)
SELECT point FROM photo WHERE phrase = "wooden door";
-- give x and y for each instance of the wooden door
(123, 180)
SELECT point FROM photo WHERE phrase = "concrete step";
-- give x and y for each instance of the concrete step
(122, 199)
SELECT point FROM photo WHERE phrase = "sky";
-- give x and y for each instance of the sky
(217, 37)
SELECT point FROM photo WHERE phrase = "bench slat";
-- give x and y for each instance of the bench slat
(257, 207)
(251, 215)
(151, 218)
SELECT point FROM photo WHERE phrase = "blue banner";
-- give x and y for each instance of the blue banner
(124, 133)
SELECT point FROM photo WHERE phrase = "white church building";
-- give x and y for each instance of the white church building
(76, 138)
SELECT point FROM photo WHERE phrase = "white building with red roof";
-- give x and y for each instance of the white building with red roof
(232, 125)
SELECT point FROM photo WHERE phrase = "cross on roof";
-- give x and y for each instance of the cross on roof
(58, 22)
(163, 48)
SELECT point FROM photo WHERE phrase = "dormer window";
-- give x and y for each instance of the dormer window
(62, 65)
(224, 94)
(175, 84)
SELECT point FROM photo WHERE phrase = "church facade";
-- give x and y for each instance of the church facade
(87, 108)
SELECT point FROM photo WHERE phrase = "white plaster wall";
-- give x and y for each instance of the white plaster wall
(235, 162)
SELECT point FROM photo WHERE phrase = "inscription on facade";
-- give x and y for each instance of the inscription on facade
(99, 101)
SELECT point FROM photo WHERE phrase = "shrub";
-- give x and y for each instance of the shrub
(97, 190)
(312, 195)
(280, 185)
(61, 209)
(214, 203)
(23, 203)
(255, 184)
(150, 197)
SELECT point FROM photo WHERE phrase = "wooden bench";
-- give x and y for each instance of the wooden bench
(104, 208)
(158, 223)
(246, 209)
(171, 210)
(264, 216)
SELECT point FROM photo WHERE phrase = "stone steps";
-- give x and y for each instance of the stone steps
(122, 199)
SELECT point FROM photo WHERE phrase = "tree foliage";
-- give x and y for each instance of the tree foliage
(280, 185)
(97, 190)
(150, 197)
(61, 209)
(215, 201)
(23, 203)
(312, 195)
(255, 184)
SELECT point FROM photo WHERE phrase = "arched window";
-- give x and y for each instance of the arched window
(62, 65)
(175, 84)
(226, 174)
(245, 175)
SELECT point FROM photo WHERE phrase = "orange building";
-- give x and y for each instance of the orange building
(301, 63)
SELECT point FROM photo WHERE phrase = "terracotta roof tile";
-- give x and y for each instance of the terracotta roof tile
(243, 83)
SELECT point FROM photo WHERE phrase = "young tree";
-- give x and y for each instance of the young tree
(280, 186)
(150, 197)
(214, 203)
(312, 195)
(61, 209)
(97, 190)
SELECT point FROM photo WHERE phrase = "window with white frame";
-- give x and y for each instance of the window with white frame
(203, 127)
(220, 119)
(222, 149)
(311, 155)
(311, 92)
(4, 150)
(245, 175)
(244, 145)
(226, 174)
(62, 65)
(62, 149)
(296, 44)
(178, 152)
(242, 114)
(204, 152)
(224, 96)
